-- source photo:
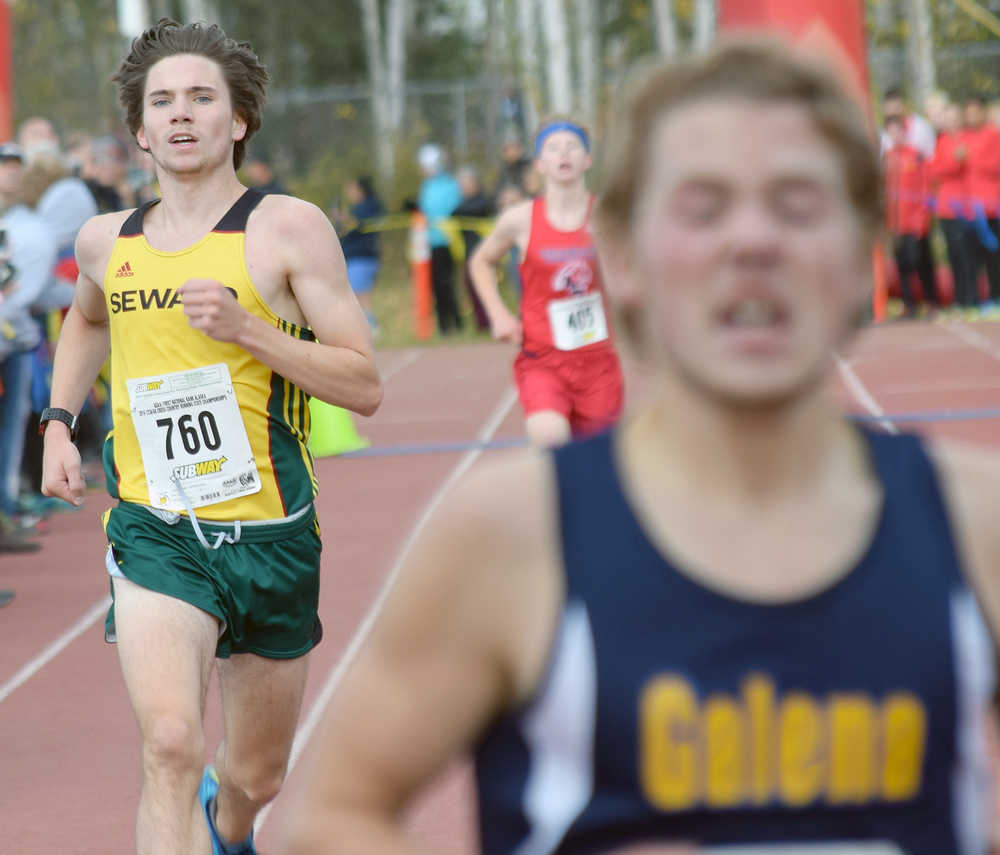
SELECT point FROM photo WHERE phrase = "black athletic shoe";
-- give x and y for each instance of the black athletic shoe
(13, 541)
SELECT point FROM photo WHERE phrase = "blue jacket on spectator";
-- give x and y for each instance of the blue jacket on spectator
(439, 196)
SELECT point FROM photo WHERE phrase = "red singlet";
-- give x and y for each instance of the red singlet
(568, 363)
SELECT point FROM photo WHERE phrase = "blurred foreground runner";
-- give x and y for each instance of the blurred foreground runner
(737, 618)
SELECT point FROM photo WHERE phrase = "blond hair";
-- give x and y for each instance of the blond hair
(756, 68)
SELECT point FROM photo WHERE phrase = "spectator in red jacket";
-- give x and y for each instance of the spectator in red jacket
(982, 143)
(993, 113)
(909, 214)
(919, 131)
(948, 172)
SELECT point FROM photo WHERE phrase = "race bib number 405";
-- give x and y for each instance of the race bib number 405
(577, 321)
(192, 438)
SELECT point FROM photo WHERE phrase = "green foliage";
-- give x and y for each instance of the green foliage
(323, 183)
(64, 52)
(953, 25)
(306, 43)
(887, 24)
(967, 53)
(884, 26)
(631, 22)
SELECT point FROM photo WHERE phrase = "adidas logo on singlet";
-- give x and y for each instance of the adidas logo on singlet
(124, 270)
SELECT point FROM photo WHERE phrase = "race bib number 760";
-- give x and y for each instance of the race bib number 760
(192, 438)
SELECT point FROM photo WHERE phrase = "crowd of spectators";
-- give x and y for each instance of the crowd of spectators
(459, 206)
(48, 189)
(942, 174)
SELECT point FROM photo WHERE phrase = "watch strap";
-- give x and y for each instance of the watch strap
(58, 414)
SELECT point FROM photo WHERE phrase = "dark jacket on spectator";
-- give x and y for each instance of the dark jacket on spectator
(479, 205)
(357, 243)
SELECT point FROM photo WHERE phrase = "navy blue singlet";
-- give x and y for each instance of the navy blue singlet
(671, 712)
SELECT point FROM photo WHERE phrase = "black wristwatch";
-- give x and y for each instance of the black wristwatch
(59, 415)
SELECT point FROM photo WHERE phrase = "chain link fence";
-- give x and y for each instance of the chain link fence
(320, 137)
(961, 70)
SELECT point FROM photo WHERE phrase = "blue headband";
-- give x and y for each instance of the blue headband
(548, 130)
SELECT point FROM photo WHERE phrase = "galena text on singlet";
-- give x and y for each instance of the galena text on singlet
(759, 749)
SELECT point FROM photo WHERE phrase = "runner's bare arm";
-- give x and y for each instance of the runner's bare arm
(970, 477)
(340, 367)
(80, 352)
(463, 634)
(511, 231)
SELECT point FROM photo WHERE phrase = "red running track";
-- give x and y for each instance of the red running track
(69, 748)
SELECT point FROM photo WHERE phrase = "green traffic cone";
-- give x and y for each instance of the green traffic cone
(332, 431)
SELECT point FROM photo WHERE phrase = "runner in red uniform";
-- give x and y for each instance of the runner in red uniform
(568, 375)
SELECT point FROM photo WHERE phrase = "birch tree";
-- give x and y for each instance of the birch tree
(588, 58)
(494, 33)
(527, 60)
(665, 25)
(386, 73)
(704, 25)
(399, 19)
(557, 56)
(200, 10)
(133, 17)
(921, 49)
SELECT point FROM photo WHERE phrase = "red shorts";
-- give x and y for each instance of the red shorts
(586, 387)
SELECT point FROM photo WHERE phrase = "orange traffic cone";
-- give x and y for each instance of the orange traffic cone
(420, 270)
(880, 291)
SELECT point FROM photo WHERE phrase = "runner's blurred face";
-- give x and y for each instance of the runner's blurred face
(893, 107)
(748, 260)
(896, 132)
(974, 114)
(951, 118)
(188, 124)
(563, 157)
(11, 170)
(354, 193)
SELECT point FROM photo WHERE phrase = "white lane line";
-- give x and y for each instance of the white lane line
(33, 666)
(974, 339)
(305, 731)
(926, 386)
(862, 395)
(408, 358)
(95, 612)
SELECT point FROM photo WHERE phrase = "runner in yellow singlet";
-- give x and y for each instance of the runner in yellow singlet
(224, 311)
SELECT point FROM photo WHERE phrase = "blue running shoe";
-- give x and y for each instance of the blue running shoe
(206, 795)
